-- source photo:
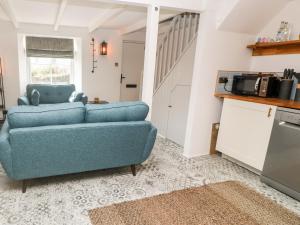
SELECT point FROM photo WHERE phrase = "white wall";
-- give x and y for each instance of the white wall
(224, 9)
(247, 16)
(179, 80)
(104, 83)
(139, 36)
(9, 55)
(279, 62)
(216, 50)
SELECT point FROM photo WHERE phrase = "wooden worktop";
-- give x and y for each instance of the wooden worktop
(267, 101)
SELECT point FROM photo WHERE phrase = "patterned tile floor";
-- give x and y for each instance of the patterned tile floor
(67, 199)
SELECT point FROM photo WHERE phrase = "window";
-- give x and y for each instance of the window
(50, 70)
(50, 60)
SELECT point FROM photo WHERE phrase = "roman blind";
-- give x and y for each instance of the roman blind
(49, 47)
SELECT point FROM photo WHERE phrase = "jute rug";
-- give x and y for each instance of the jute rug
(227, 203)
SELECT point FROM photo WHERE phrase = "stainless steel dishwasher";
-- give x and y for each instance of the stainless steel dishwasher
(282, 164)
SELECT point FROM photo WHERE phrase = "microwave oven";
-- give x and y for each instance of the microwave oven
(246, 84)
(256, 85)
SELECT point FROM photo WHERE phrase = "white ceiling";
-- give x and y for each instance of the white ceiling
(78, 13)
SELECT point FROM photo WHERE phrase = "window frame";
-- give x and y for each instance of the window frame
(78, 66)
(29, 75)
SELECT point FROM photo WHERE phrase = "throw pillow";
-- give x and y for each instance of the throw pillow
(35, 97)
(76, 96)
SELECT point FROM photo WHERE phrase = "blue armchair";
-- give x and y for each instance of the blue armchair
(50, 94)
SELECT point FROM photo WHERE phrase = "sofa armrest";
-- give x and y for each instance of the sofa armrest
(150, 142)
(23, 100)
(84, 99)
(5, 150)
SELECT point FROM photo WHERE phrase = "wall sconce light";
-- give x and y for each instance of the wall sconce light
(103, 48)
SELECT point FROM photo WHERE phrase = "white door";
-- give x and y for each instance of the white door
(178, 112)
(132, 67)
(245, 131)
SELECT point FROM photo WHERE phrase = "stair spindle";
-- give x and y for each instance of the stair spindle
(178, 38)
(189, 25)
(160, 65)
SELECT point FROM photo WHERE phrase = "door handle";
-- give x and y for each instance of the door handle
(121, 78)
(270, 112)
(289, 125)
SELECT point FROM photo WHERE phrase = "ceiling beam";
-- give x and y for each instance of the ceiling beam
(9, 11)
(60, 13)
(141, 24)
(191, 6)
(109, 14)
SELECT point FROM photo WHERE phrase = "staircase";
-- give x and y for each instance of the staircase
(181, 33)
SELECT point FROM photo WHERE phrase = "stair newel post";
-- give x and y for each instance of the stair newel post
(153, 12)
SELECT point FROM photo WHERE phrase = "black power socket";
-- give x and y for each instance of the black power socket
(223, 80)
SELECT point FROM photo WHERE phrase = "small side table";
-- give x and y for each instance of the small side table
(100, 102)
(4, 113)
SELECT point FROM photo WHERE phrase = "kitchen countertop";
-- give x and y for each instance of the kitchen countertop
(267, 101)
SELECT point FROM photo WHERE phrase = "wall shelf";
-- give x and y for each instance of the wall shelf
(275, 48)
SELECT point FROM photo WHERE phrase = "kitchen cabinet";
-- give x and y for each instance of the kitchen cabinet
(245, 131)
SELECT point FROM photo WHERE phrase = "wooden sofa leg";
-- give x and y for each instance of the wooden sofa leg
(24, 186)
(133, 170)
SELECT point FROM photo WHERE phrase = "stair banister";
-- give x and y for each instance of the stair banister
(182, 31)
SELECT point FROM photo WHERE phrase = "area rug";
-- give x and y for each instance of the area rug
(226, 203)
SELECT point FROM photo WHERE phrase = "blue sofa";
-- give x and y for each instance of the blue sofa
(50, 94)
(66, 138)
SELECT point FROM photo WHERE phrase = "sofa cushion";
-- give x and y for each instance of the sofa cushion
(45, 115)
(116, 112)
(51, 94)
(76, 96)
(35, 97)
